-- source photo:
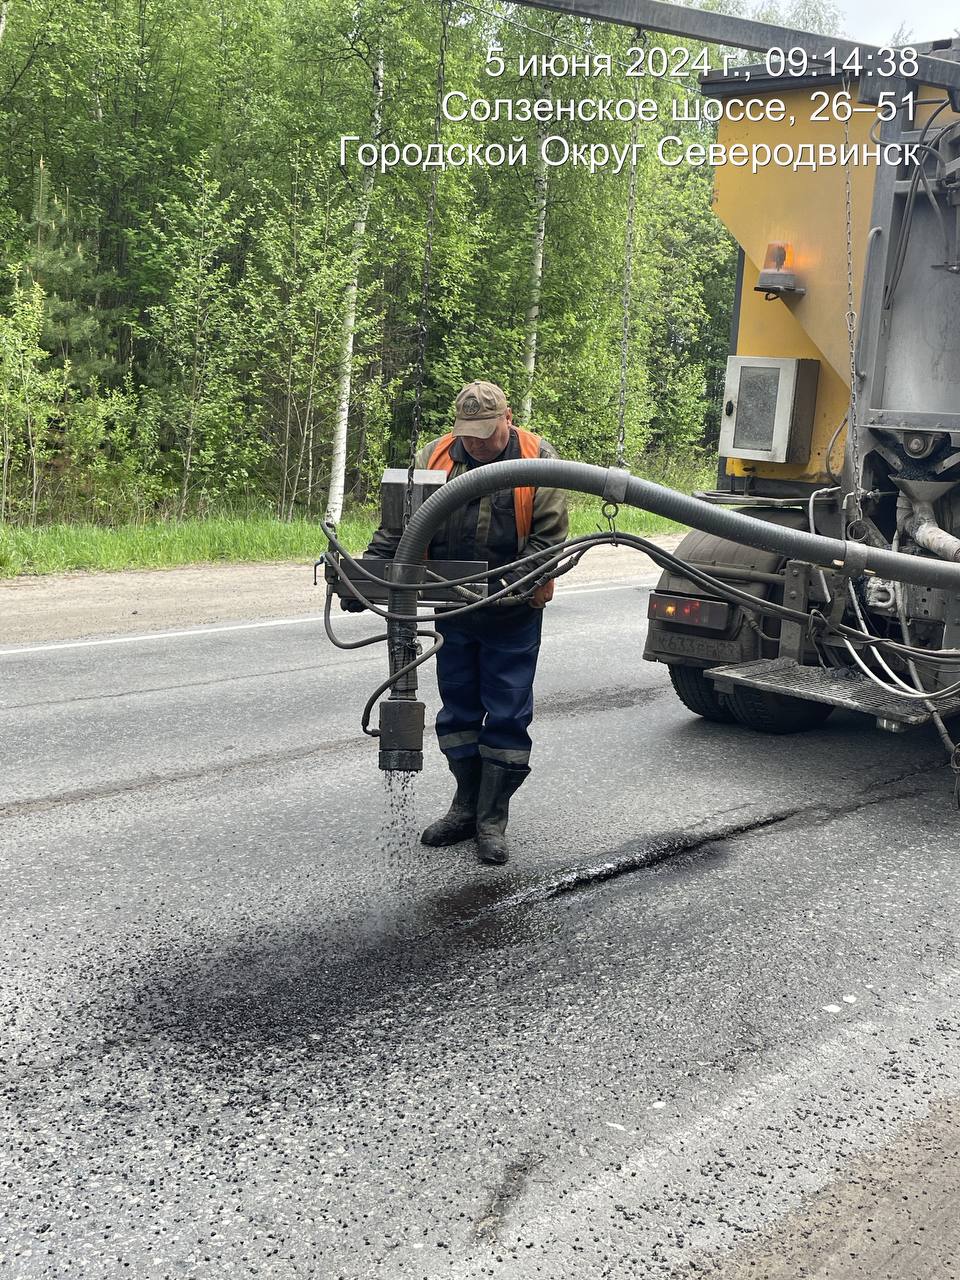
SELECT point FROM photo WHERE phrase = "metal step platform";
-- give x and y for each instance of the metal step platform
(845, 688)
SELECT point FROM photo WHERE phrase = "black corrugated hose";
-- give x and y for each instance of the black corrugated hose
(853, 558)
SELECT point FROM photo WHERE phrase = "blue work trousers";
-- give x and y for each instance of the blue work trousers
(485, 671)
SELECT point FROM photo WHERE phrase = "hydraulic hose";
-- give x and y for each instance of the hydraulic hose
(614, 485)
(401, 719)
(923, 528)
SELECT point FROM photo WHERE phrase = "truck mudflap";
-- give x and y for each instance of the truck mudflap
(673, 642)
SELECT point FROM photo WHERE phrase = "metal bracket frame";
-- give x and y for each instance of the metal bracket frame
(739, 33)
(876, 324)
(796, 595)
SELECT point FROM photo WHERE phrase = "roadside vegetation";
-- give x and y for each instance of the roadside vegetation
(65, 547)
(203, 309)
(206, 310)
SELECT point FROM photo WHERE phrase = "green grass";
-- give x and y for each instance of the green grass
(586, 515)
(59, 548)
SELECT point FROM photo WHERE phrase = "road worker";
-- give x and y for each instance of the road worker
(486, 666)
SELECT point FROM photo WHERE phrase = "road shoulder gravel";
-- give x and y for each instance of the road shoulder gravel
(79, 606)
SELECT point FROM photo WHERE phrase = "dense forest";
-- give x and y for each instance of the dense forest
(204, 308)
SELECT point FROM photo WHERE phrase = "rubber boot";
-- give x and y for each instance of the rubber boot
(460, 820)
(497, 784)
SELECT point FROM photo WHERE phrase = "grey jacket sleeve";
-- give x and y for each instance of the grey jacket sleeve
(550, 517)
(550, 521)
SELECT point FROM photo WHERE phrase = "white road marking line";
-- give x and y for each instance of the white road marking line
(624, 585)
(162, 635)
(249, 626)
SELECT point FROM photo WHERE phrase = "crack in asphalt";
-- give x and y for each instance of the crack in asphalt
(266, 991)
(506, 1195)
(613, 699)
(645, 854)
(257, 990)
(153, 781)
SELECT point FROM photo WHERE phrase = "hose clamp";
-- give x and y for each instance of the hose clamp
(854, 559)
(615, 485)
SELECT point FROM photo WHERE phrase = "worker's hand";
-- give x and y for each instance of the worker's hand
(351, 606)
(539, 598)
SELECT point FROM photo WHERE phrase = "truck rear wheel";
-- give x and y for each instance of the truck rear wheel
(775, 712)
(698, 695)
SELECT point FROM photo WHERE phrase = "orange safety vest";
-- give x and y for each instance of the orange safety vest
(442, 460)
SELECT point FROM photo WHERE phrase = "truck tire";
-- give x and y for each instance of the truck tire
(698, 695)
(775, 712)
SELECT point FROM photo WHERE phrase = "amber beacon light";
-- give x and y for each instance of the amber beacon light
(778, 275)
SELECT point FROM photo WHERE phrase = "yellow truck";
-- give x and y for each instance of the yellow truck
(824, 569)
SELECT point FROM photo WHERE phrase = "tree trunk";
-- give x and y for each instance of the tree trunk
(423, 316)
(187, 461)
(532, 319)
(627, 296)
(291, 350)
(5, 480)
(197, 373)
(34, 466)
(311, 414)
(338, 459)
(288, 416)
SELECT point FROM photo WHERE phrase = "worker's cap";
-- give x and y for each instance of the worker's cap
(479, 406)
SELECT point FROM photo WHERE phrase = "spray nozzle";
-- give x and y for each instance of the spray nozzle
(401, 735)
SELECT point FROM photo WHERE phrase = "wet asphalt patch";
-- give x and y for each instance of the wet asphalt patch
(216, 1044)
(310, 982)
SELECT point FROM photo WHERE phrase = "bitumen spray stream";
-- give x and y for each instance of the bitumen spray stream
(398, 834)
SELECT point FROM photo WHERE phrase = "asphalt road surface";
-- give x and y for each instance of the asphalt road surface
(705, 1023)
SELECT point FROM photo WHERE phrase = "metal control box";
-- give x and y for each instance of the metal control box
(768, 408)
(393, 493)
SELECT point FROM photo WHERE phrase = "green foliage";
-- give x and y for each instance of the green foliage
(77, 318)
(258, 536)
(207, 399)
(60, 548)
(183, 237)
(30, 395)
(63, 548)
(297, 313)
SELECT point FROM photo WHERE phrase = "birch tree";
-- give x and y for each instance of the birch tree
(30, 394)
(338, 451)
(532, 319)
(200, 333)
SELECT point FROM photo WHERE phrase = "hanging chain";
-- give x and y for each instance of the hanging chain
(422, 319)
(853, 425)
(627, 291)
(610, 511)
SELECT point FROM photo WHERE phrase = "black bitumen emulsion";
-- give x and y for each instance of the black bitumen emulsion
(310, 980)
(482, 1082)
(246, 1036)
(348, 1096)
(398, 832)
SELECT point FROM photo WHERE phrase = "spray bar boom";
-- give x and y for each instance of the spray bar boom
(401, 718)
(613, 485)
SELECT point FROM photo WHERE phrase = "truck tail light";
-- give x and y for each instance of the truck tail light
(689, 611)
